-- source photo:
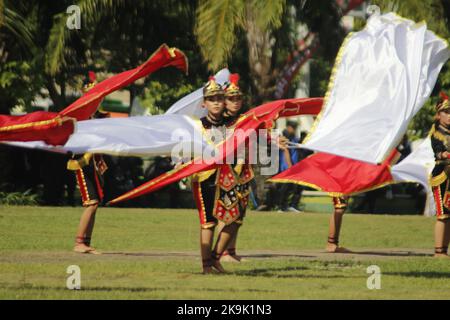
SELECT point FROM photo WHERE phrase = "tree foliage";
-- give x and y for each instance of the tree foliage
(269, 32)
(114, 36)
(436, 13)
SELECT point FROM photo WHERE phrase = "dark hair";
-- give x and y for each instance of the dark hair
(292, 124)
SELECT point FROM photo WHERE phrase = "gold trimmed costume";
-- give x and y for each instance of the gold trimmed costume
(223, 193)
(340, 202)
(89, 170)
(440, 184)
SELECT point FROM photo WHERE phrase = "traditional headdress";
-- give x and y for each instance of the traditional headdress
(89, 82)
(232, 88)
(101, 113)
(212, 88)
(443, 104)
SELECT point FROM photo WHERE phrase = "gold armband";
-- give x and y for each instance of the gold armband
(80, 163)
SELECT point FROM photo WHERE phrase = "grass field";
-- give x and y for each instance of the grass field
(153, 254)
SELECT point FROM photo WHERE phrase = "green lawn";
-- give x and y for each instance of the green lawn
(153, 254)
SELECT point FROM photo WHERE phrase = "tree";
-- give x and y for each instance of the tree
(19, 79)
(15, 23)
(269, 28)
(114, 36)
(31, 55)
(436, 13)
(217, 22)
(136, 28)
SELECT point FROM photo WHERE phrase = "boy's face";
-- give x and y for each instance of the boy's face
(444, 118)
(291, 130)
(214, 104)
(233, 104)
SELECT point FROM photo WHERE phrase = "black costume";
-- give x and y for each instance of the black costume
(89, 170)
(222, 193)
(440, 142)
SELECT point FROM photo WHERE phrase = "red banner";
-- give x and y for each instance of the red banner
(55, 128)
(261, 117)
(86, 106)
(337, 175)
(40, 125)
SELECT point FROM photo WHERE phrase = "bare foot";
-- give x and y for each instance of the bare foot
(94, 251)
(81, 248)
(230, 258)
(239, 258)
(334, 248)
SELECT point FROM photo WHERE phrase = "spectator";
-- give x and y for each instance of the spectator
(289, 194)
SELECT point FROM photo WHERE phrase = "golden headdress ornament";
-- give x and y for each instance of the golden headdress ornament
(232, 89)
(212, 88)
(89, 82)
(444, 104)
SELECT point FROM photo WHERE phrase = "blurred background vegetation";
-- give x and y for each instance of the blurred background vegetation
(41, 57)
(38, 51)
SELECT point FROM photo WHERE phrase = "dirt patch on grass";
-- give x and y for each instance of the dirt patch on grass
(248, 255)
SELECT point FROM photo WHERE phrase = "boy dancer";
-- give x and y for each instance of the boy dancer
(241, 169)
(89, 170)
(214, 190)
(440, 183)
(340, 205)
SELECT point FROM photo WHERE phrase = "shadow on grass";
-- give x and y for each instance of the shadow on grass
(391, 254)
(297, 273)
(420, 274)
(130, 289)
(196, 255)
(276, 255)
(152, 254)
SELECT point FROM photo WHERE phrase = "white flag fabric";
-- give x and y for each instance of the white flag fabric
(137, 109)
(417, 167)
(383, 75)
(137, 136)
(192, 103)
(140, 135)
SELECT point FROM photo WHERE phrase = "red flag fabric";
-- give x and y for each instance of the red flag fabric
(257, 118)
(163, 180)
(85, 107)
(352, 5)
(40, 125)
(55, 128)
(337, 175)
(301, 106)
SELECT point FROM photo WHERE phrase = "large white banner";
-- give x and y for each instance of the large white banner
(417, 167)
(382, 77)
(156, 135)
(138, 136)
